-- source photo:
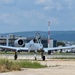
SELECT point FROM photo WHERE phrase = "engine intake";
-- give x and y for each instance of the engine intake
(19, 43)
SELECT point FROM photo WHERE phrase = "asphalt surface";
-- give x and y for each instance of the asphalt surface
(31, 56)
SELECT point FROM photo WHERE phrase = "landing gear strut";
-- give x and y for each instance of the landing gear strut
(35, 55)
(42, 55)
(15, 56)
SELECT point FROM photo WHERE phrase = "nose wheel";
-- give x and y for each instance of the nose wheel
(35, 56)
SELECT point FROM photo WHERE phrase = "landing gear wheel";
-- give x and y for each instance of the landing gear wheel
(43, 58)
(35, 58)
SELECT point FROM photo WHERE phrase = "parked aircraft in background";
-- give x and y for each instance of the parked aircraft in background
(35, 44)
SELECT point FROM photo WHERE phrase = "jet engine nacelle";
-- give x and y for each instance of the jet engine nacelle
(19, 43)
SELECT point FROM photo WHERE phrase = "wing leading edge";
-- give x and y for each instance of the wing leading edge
(13, 48)
(45, 49)
(57, 48)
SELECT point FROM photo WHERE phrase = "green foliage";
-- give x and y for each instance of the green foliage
(7, 65)
(60, 43)
(29, 64)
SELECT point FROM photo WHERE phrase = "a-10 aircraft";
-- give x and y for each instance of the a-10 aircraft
(35, 44)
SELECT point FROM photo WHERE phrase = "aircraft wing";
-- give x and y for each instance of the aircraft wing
(58, 48)
(13, 48)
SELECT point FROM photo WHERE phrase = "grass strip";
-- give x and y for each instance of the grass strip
(9, 65)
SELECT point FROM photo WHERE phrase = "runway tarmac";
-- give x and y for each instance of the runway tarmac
(31, 56)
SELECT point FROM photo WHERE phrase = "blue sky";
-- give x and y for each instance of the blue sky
(33, 15)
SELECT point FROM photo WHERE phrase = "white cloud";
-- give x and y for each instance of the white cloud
(33, 14)
(31, 17)
(58, 5)
(7, 1)
(54, 21)
(41, 1)
(26, 14)
(69, 3)
(50, 4)
(9, 19)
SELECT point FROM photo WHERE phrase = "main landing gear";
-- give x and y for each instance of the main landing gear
(15, 56)
(42, 55)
